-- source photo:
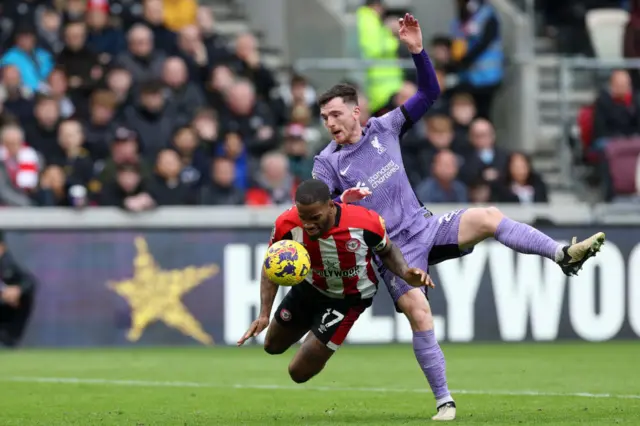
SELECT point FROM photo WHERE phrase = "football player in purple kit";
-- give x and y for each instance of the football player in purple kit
(364, 165)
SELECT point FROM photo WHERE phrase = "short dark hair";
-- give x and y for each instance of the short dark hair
(346, 92)
(312, 191)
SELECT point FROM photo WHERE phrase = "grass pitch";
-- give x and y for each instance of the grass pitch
(501, 384)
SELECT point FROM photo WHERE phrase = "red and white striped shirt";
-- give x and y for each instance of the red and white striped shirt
(342, 259)
(22, 169)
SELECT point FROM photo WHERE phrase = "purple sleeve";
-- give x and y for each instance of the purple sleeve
(323, 172)
(428, 88)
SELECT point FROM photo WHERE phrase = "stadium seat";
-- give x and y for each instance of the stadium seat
(623, 156)
(606, 30)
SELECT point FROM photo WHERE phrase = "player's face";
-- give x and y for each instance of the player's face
(341, 120)
(316, 218)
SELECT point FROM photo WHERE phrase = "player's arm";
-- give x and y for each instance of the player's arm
(403, 117)
(392, 258)
(268, 291)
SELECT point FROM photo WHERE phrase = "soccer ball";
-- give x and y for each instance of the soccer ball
(287, 263)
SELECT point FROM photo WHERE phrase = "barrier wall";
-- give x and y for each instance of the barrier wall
(200, 285)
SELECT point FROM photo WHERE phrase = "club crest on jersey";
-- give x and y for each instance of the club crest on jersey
(285, 315)
(353, 245)
(376, 144)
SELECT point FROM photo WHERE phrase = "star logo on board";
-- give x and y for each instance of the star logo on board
(155, 294)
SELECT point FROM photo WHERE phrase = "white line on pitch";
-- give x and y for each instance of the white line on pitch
(150, 383)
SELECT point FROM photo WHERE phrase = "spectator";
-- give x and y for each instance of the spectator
(441, 50)
(479, 192)
(297, 100)
(108, 42)
(522, 184)
(48, 29)
(74, 10)
(215, 43)
(485, 160)
(100, 126)
(418, 159)
(195, 163)
(247, 63)
(220, 81)
(17, 99)
(119, 81)
(443, 187)
(20, 161)
(10, 195)
(274, 185)
(124, 150)
(617, 111)
(295, 146)
(377, 41)
(34, 63)
(187, 96)
(75, 160)
(42, 133)
(463, 111)
(53, 188)
(205, 125)
(234, 150)
(179, 13)
(250, 118)
(153, 17)
(56, 87)
(167, 189)
(191, 48)
(221, 189)
(140, 59)
(477, 52)
(16, 297)
(128, 190)
(80, 64)
(154, 119)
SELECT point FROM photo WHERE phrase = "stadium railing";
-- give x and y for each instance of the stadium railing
(248, 217)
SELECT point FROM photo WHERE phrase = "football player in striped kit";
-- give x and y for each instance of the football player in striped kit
(342, 241)
(364, 164)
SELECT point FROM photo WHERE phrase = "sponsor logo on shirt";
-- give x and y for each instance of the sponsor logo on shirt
(382, 175)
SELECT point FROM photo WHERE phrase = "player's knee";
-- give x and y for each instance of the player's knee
(273, 348)
(417, 310)
(299, 375)
(491, 218)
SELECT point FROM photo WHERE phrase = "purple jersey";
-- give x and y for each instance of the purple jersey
(375, 162)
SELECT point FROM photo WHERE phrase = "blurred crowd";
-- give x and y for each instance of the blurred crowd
(143, 104)
(139, 104)
(453, 155)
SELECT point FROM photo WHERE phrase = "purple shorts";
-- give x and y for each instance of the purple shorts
(435, 243)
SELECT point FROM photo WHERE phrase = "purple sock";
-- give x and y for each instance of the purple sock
(526, 239)
(431, 360)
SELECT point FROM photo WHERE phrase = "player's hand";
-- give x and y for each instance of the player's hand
(416, 277)
(352, 195)
(255, 328)
(410, 33)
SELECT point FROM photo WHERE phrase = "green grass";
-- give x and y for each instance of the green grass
(209, 394)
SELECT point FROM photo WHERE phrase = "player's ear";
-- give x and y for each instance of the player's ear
(356, 112)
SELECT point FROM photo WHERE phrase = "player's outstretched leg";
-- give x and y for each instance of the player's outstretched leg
(414, 304)
(478, 224)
